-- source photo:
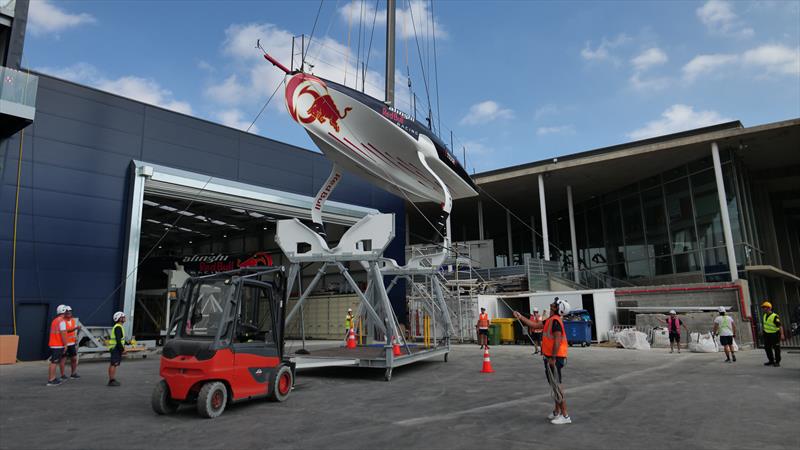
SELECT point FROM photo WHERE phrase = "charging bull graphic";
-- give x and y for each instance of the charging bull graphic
(303, 88)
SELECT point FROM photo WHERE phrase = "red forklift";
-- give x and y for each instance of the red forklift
(228, 343)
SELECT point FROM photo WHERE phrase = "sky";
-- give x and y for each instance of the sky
(514, 81)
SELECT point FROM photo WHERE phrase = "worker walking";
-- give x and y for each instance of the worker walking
(674, 325)
(725, 327)
(536, 335)
(483, 329)
(57, 341)
(771, 327)
(554, 351)
(116, 345)
(71, 351)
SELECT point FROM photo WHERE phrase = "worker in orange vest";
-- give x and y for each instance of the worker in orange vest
(483, 329)
(554, 350)
(72, 345)
(57, 341)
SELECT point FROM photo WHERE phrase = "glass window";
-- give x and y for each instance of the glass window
(706, 206)
(206, 305)
(662, 265)
(633, 228)
(733, 202)
(255, 315)
(679, 211)
(700, 164)
(655, 222)
(650, 182)
(613, 228)
(672, 174)
(639, 269)
(686, 262)
(597, 249)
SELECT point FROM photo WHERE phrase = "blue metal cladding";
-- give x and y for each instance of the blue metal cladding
(74, 193)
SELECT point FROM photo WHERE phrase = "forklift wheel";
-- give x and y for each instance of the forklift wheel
(281, 384)
(161, 401)
(212, 399)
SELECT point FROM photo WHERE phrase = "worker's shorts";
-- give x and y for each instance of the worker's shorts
(72, 350)
(537, 337)
(484, 331)
(726, 340)
(560, 363)
(56, 353)
(675, 337)
(116, 357)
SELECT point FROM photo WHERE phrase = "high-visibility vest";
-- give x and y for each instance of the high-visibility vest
(483, 321)
(548, 340)
(55, 333)
(113, 341)
(769, 323)
(72, 336)
(537, 318)
(348, 321)
(725, 323)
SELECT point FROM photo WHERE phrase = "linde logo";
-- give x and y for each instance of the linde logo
(327, 191)
(206, 258)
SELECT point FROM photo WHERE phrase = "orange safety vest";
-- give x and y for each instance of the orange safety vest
(55, 333)
(71, 335)
(483, 321)
(548, 339)
(537, 318)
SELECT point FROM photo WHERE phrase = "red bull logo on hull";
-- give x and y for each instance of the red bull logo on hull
(301, 90)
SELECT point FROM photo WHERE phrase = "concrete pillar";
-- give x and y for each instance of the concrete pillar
(723, 206)
(543, 210)
(572, 235)
(510, 241)
(480, 220)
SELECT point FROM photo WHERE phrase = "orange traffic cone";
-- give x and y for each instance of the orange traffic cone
(351, 339)
(487, 363)
(396, 348)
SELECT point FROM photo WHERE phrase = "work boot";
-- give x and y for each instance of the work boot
(769, 363)
(75, 376)
(113, 383)
(54, 382)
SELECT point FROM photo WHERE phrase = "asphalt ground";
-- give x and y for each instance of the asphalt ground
(618, 399)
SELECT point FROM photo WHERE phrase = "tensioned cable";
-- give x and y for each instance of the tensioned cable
(372, 33)
(419, 54)
(266, 103)
(311, 37)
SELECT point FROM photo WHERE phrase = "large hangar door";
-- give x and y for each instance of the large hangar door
(189, 218)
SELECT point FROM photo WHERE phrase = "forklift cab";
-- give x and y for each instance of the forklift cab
(228, 343)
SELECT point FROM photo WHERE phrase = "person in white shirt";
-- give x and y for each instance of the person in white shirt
(725, 327)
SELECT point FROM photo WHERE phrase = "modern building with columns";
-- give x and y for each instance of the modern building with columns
(710, 205)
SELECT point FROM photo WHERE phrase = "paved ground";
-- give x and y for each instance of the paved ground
(617, 398)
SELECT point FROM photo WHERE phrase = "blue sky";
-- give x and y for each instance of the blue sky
(518, 81)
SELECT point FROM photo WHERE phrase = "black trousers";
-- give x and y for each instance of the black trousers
(772, 345)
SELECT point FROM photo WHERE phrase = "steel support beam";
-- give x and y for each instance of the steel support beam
(723, 206)
(543, 210)
(572, 235)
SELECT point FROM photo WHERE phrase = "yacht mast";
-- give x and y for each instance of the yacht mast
(390, 25)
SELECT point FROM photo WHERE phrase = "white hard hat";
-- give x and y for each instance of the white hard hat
(563, 306)
(61, 309)
(349, 309)
(118, 315)
(69, 308)
(672, 311)
(535, 309)
(721, 309)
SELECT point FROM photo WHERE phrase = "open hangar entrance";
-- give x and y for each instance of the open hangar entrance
(184, 224)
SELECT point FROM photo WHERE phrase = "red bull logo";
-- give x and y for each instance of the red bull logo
(323, 109)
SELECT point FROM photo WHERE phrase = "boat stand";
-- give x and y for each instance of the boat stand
(364, 243)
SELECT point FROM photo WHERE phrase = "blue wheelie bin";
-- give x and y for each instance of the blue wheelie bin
(578, 328)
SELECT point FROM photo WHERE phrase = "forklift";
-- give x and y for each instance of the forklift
(228, 343)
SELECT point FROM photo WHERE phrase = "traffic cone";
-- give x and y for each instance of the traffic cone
(487, 363)
(351, 339)
(396, 348)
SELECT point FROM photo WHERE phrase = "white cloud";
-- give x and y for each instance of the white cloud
(236, 119)
(774, 59)
(649, 58)
(677, 118)
(719, 18)
(144, 90)
(648, 84)
(229, 92)
(46, 18)
(353, 12)
(602, 53)
(703, 64)
(484, 112)
(560, 129)
(770, 59)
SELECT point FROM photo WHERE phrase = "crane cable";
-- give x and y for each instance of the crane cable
(14, 239)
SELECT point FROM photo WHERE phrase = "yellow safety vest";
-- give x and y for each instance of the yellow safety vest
(348, 322)
(113, 341)
(769, 323)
